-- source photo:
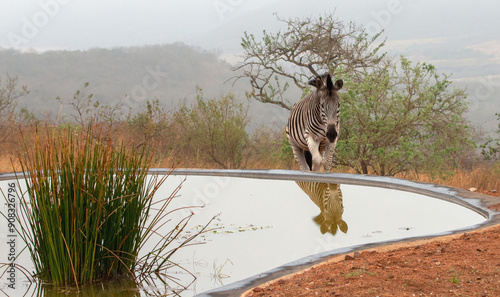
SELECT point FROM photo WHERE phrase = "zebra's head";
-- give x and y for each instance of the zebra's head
(324, 84)
(326, 92)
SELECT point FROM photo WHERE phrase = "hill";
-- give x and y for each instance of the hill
(167, 72)
(172, 72)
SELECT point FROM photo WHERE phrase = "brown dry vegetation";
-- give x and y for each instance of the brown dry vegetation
(484, 178)
(257, 154)
(262, 153)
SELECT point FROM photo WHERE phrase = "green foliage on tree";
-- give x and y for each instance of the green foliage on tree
(402, 118)
(396, 116)
(490, 149)
(150, 123)
(212, 130)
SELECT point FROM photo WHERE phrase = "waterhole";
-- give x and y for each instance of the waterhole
(262, 223)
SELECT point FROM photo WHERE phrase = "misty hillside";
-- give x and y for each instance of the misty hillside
(168, 72)
(172, 72)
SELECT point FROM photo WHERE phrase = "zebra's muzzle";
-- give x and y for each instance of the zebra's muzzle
(331, 133)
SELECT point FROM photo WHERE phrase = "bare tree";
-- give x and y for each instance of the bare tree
(9, 93)
(307, 48)
(86, 110)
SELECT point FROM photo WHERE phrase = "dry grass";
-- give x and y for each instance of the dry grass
(7, 165)
(484, 177)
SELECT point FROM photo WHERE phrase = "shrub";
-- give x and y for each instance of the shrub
(213, 131)
(84, 214)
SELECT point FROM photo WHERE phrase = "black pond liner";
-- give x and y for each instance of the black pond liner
(474, 201)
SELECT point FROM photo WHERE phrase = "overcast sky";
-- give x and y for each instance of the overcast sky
(219, 24)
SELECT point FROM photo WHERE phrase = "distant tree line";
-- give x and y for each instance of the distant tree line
(209, 132)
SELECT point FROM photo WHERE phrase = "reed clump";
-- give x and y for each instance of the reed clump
(87, 202)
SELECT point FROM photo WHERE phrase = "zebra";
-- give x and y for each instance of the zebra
(328, 197)
(313, 126)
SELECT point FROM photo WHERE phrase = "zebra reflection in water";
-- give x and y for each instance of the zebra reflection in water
(328, 197)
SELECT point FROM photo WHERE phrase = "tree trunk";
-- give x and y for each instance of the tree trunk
(364, 167)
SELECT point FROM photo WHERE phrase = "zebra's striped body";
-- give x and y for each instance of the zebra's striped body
(328, 197)
(314, 124)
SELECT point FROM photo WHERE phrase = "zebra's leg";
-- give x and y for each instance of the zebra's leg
(313, 146)
(322, 148)
(328, 156)
(308, 156)
(299, 156)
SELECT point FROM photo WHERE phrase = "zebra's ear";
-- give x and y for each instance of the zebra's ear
(338, 85)
(316, 82)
